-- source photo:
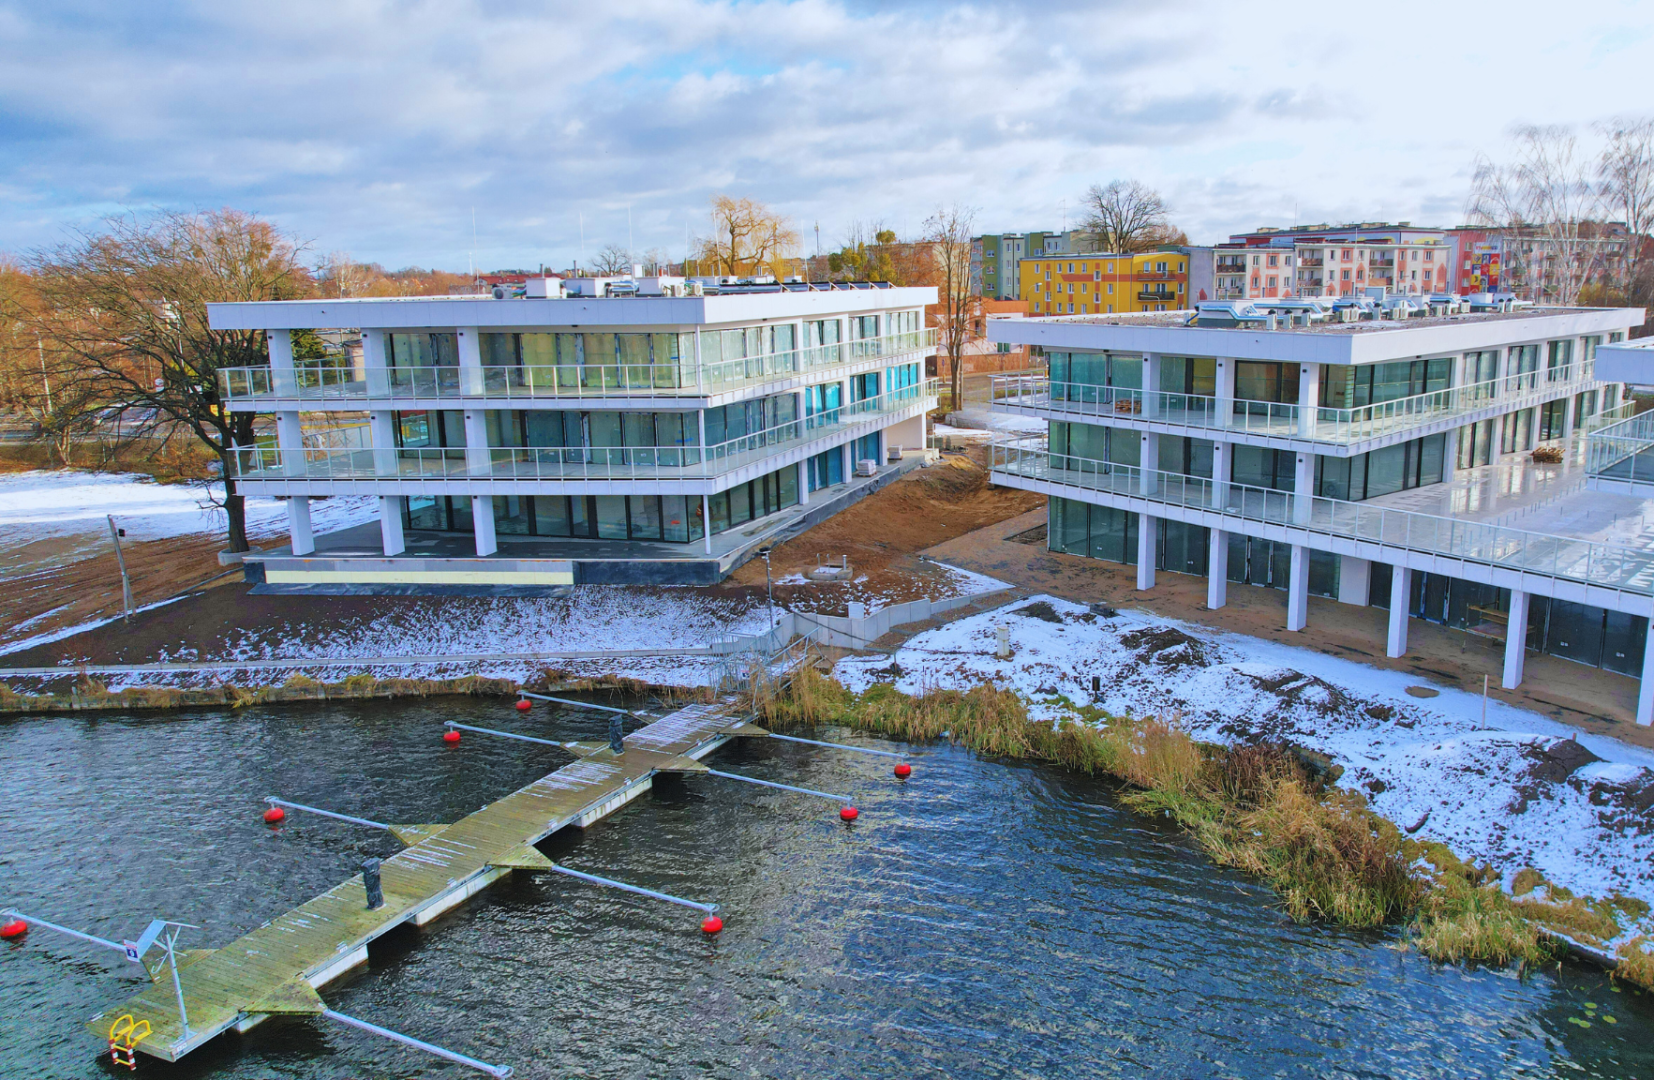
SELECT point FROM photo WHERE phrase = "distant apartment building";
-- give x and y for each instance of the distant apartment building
(1536, 265)
(1100, 284)
(595, 431)
(996, 260)
(1332, 261)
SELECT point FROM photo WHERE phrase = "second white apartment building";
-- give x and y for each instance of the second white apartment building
(1377, 463)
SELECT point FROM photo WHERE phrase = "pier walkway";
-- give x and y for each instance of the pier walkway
(276, 969)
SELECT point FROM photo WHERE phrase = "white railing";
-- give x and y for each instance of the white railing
(685, 462)
(1030, 393)
(1586, 561)
(1620, 451)
(563, 380)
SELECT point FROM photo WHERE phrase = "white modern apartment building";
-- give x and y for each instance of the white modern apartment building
(1384, 463)
(525, 444)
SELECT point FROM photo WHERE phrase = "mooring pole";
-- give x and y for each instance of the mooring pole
(835, 745)
(500, 1072)
(452, 724)
(617, 742)
(371, 882)
(273, 801)
(558, 868)
(784, 787)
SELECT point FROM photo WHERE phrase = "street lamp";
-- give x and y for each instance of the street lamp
(769, 587)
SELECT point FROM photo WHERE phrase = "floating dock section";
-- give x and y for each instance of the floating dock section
(276, 969)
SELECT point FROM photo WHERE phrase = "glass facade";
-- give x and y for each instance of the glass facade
(1354, 386)
(1381, 472)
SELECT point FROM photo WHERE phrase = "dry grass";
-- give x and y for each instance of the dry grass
(91, 694)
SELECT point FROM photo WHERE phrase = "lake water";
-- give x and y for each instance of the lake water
(982, 919)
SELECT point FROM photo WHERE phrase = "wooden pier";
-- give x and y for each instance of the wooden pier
(276, 969)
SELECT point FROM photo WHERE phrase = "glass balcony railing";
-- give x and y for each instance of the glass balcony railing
(1567, 558)
(317, 382)
(1622, 451)
(1038, 394)
(568, 463)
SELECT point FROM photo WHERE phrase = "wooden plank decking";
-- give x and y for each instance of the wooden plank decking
(274, 968)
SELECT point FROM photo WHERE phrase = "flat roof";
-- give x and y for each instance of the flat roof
(1365, 342)
(443, 312)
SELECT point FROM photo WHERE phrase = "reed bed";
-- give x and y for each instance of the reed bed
(1264, 809)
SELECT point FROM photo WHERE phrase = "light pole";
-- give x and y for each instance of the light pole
(769, 587)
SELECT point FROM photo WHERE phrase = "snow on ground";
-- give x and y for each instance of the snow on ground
(64, 502)
(969, 582)
(1526, 791)
(597, 619)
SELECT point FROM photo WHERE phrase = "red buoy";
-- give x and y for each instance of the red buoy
(450, 736)
(711, 924)
(17, 928)
(524, 705)
(849, 813)
(904, 770)
(274, 814)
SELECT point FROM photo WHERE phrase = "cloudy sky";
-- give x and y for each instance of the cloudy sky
(381, 128)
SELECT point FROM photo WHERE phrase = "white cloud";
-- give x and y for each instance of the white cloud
(378, 127)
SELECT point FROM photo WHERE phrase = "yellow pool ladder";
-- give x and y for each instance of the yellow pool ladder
(124, 1036)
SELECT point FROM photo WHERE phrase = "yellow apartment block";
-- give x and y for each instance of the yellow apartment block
(1104, 284)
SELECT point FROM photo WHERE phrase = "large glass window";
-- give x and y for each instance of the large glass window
(422, 350)
(1522, 362)
(1516, 434)
(1381, 472)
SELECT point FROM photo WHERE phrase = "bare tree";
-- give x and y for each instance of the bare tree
(1626, 172)
(948, 234)
(343, 276)
(1548, 204)
(123, 314)
(612, 260)
(1125, 217)
(748, 238)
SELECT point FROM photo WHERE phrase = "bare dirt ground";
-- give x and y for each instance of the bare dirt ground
(883, 534)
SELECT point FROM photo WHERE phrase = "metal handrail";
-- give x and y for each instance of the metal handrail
(568, 462)
(1567, 558)
(1615, 452)
(1040, 393)
(326, 381)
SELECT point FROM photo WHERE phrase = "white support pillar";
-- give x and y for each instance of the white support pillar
(280, 344)
(1148, 545)
(478, 460)
(1151, 385)
(1309, 398)
(1303, 487)
(375, 367)
(706, 520)
(1225, 392)
(289, 432)
(1645, 690)
(1355, 578)
(1569, 420)
(390, 524)
(382, 436)
(1223, 462)
(1516, 640)
(298, 525)
(482, 523)
(1401, 595)
(1297, 590)
(1148, 460)
(1450, 452)
(1217, 569)
(803, 483)
(469, 341)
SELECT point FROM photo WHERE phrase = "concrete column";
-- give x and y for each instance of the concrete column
(1355, 578)
(298, 525)
(1450, 452)
(1151, 384)
(1516, 640)
(478, 461)
(374, 364)
(1569, 420)
(1148, 545)
(706, 521)
(1303, 487)
(1297, 590)
(1645, 689)
(280, 344)
(482, 523)
(382, 437)
(1148, 459)
(1401, 590)
(1217, 570)
(803, 483)
(1222, 469)
(1225, 393)
(469, 340)
(1309, 398)
(849, 461)
(390, 524)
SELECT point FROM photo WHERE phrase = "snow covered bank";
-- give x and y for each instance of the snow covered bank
(1525, 791)
(64, 502)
